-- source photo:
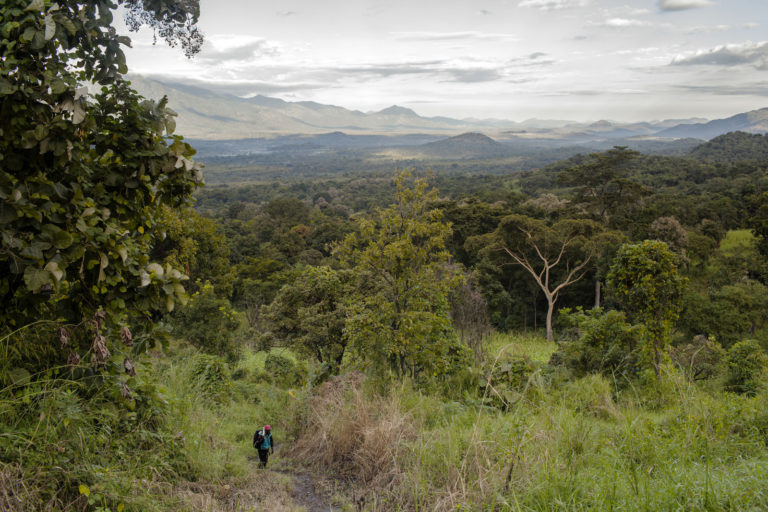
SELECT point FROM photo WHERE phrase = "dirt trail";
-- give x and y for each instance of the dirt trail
(305, 496)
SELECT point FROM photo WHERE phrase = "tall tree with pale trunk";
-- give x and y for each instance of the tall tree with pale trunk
(556, 255)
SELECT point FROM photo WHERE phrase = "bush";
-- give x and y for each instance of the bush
(591, 394)
(209, 323)
(210, 375)
(505, 380)
(701, 359)
(746, 365)
(604, 343)
(284, 371)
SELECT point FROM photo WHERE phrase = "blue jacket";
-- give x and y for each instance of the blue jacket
(267, 443)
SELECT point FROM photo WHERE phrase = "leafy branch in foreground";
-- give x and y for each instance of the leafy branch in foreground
(82, 178)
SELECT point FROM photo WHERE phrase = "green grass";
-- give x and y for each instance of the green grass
(574, 445)
(530, 345)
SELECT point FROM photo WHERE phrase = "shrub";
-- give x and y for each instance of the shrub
(591, 394)
(746, 365)
(284, 371)
(604, 343)
(505, 380)
(209, 323)
(701, 359)
(210, 375)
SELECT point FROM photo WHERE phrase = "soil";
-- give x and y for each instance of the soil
(304, 494)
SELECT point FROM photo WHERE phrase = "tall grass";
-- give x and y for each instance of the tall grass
(580, 445)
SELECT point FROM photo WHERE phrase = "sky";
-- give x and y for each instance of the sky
(582, 60)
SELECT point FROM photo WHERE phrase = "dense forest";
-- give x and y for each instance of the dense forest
(587, 334)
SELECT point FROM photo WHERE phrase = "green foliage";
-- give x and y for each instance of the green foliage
(603, 343)
(644, 280)
(701, 359)
(284, 371)
(82, 177)
(591, 394)
(197, 245)
(746, 367)
(208, 322)
(601, 184)
(209, 374)
(759, 222)
(505, 380)
(729, 313)
(556, 254)
(400, 316)
(309, 314)
(733, 146)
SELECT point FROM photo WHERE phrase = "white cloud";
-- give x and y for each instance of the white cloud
(622, 22)
(549, 5)
(706, 29)
(751, 25)
(729, 55)
(681, 5)
(452, 36)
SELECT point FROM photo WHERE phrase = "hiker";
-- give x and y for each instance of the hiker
(262, 441)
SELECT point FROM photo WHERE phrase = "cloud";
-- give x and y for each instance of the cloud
(550, 5)
(472, 75)
(729, 55)
(285, 14)
(681, 5)
(223, 49)
(706, 29)
(453, 36)
(622, 23)
(485, 12)
(752, 89)
(237, 87)
(751, 25)
(536, 55)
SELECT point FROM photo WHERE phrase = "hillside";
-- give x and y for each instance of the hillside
(734, 146)
(209, 115)
(466, 145)
(755, 121)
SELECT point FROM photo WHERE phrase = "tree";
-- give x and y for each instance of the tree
(599, 183)
(400, 318)
(208, 322)
(310, 312)
(556, 255)
(196, 244)
(644, 280)
(82, 177)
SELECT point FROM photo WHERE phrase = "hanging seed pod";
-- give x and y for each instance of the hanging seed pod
(100, 351)
(127, 337)
(98, 318)
(125, 391)
(73, 359)
(63, 334)
(129, 368)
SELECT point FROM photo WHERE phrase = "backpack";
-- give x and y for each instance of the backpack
(258, 438)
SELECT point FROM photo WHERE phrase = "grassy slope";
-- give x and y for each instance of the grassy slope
(572, 446)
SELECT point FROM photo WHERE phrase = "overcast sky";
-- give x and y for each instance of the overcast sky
(515, 59)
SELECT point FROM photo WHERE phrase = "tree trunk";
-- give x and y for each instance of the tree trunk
(550, 310)
(597, 293)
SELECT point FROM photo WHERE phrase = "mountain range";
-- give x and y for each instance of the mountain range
(208, 115)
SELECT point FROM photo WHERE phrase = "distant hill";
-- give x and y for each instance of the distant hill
(755, 121)
(205, 114)
(466, 145)
(209, 115)
(733, 147)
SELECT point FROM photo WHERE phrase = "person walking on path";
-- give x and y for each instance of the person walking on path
(262, 441)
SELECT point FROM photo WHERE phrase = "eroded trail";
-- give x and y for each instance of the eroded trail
(305, 496)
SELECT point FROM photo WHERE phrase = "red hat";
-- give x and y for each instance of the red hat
(267, 427)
